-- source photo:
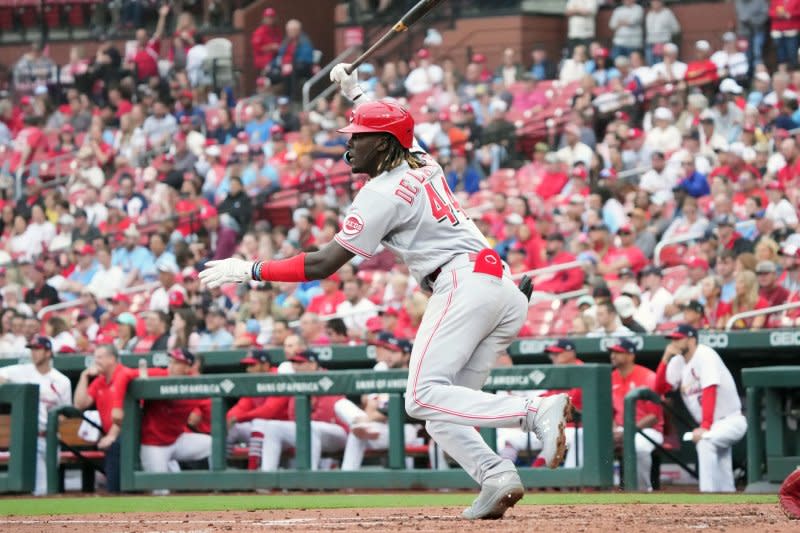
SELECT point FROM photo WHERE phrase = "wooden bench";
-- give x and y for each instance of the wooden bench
(239, 454)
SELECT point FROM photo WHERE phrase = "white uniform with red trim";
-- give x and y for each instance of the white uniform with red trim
(705, 369)
(471, 317)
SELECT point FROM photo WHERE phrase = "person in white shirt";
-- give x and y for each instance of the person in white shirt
(608, 323)
(575, 151)
(730, 58)
(12, 341)
(574, 68)
(54, 391)
(425, 76)
(581, 16)
(42, 230)
(108, 280)
(655, 298)
(159, 300)
(642, 314)
(709, 393)
(779, 209)
(661, 26)
(664, 135)
(626, 23)
(356, 310)
(62, 241)
(669, 69)
(660, 178)
(160, 126)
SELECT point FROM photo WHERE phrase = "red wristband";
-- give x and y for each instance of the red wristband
(292, 269)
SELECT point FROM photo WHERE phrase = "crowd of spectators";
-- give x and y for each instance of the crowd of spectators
(163, 174)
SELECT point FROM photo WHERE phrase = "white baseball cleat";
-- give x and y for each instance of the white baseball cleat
(498, 493)
(548, 425)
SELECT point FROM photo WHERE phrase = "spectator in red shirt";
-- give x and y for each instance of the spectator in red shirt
(563, 280)
(746, 299)
(702, 70)
(625, 377)
(627, 255)
(106, 392)
(27, 143)
(145, 56)
(266, 40)
(790, 172)
(785, 23)
(769, 288)
(331, 297)
(553, 178)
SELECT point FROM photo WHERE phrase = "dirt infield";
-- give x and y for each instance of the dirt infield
(647, 518)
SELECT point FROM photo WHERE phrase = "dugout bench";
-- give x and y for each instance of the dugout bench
(596, 470)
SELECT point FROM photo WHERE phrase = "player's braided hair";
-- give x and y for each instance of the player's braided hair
(396, 154)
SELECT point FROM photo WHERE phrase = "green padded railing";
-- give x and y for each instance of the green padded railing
(24, 402)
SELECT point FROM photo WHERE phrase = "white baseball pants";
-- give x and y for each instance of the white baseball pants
(187, 447)
(40, 489)
(239, 432)
(355, 447)
(512, 441)
(714, 458)
(280, 435)
(470, 319)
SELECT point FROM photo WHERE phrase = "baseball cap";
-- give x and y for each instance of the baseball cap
(126, 318)
(305, 356)
(585, 300)
(168, 266)
(374, 324)
(624, 345)
(183, 355)
(624, 306)
(696, 306)
(696, 262)
(390, 342)
(268, 12)
(651, 269)
(176, 298)
(41, 342)
(765, 267)
(208, 211)
(725, 220)
(121, 298)
(561, 345)
(257, 356)
(514, 218)
(683, 331)
(132, 232)
(631, 289)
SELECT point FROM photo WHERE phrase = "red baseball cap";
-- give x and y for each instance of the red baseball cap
(374, 324)
(601, 52)
(478, 58)
(187, 93)
(268, 12)
(580, 172)
(696, 262)
(774, 186)
(243, 137)
(635, 133)
(208, 211)
(176, 298)
(87, 249)
(121, 298)
(423, 53)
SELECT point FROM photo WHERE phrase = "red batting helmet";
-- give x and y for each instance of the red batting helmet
(383, 117)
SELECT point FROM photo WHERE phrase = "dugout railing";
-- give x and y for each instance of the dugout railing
(19, 437)
(773, 417)
(596, 469)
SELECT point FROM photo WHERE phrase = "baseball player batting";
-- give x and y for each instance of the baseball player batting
(475, 310)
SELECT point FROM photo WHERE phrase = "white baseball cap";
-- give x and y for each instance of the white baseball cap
(729, 85)
(703, 45)
(624, 306)
(662, 113)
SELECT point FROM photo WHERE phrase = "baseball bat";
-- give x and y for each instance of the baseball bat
(412, 16)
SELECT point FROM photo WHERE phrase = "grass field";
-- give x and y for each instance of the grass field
(122, 504)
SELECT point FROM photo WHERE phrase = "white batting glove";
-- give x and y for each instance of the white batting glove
(224, 271)
(348, 83)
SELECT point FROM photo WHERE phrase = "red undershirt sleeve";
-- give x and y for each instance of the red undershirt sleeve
(709, 401)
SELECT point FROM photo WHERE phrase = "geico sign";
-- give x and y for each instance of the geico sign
(714, 340)
(784, 338)
(534, 346)
(607, 342)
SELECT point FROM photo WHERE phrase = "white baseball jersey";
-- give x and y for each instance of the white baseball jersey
(54, 387)
(415, 215)
(704, 369)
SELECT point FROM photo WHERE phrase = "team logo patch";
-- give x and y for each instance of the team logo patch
(352, 225)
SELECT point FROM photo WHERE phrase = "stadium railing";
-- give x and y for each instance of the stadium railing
(773, 439)
(759, 312)
(594, 380)
(19, 435)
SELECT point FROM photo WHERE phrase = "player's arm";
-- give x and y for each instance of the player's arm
(83, 399)
(301, 267)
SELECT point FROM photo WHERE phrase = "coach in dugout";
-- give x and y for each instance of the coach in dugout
(106, 392)
(54, 391)
(169, 427)
(625, 377)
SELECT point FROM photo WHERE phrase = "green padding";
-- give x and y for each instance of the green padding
(594, 379)
(24, 401)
